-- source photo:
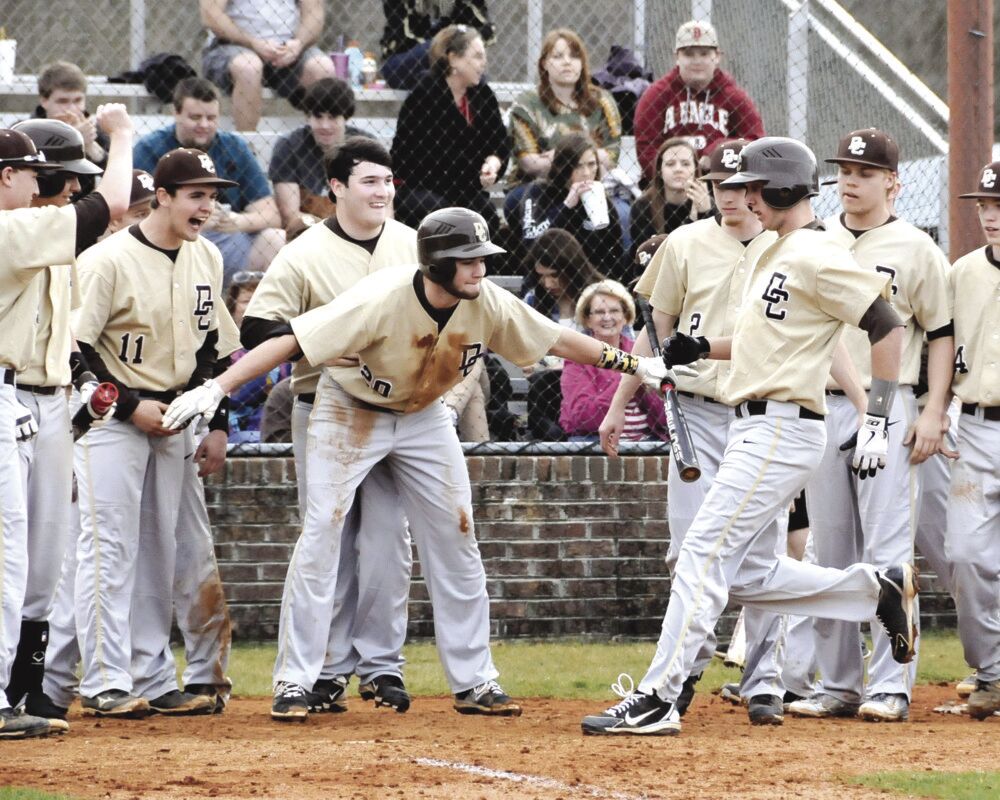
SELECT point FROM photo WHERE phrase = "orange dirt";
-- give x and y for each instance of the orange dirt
(432, 752)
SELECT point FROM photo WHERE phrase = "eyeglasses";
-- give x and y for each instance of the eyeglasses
(247, 276)
(606, 312)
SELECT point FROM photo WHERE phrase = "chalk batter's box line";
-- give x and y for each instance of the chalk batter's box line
(578, 790)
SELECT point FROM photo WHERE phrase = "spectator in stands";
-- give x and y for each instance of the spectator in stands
(251, 43)
(676, 195)
(62, 95)
(297, 167)
(245, 225)
(409, 27)
(564, 101)
(695, 99)
(247, 405)
(604, 310)
(451, 144)
(559, 272)
(555, 202)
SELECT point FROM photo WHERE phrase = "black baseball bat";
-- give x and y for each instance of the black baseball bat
(685, 455)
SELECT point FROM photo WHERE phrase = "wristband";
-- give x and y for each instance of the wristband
(618, 360)
(880, 397)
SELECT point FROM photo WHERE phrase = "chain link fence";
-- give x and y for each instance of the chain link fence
(808, 69)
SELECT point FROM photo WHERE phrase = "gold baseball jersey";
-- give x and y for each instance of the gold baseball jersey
(145, 315)
(407, 362)
(314, 269)
(701, 272)
(918, 270)
(31, 239)
(975, 291)
(803, 289)
(229, 334)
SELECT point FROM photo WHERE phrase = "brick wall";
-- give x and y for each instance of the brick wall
(573, 545)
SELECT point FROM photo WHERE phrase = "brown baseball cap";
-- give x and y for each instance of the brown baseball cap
(645, 252)
(870, 147)
(696, 33)
(988, 187)
(17, 150)
(725, 159)
(143, 188)
(185, 166)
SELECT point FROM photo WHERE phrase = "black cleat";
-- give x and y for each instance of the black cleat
(290, 704)
(328, 695)
(487, 698)
(637, 714)
(386, 690)
(176, 703)
(766, 709)
(898, 588)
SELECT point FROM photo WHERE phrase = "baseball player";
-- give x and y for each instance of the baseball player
(46, 459)
(369, 622)
(695, 283)
(802, 290)
(874, 521)
(34, 239)
(148, 323)
(416, 332)
(973, 538)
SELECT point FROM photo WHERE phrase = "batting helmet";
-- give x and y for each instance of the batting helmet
(786, 167)
(449, 234)
(60, 142)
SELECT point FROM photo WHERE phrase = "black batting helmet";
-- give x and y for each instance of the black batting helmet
(59, 142)
(786, 167)
(449, 234)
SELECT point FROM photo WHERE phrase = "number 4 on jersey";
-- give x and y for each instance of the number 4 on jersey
(960, 366)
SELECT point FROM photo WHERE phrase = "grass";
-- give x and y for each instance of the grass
(15, 793)
(571, 669)
(948, 785)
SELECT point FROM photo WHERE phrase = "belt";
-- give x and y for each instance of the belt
(309, 398)
(990, 413)
(694, 396)
(775, 408)
(8, 376)
(40, 389)
(164, 397)
(836, 393)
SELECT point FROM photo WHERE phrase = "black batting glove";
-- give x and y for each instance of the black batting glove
(683, 349)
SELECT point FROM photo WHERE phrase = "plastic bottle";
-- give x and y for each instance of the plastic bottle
(369, 69)
(355, 62)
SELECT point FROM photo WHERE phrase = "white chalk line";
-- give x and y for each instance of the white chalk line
(579, 789)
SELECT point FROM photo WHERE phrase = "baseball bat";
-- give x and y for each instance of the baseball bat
(97, 406)
(681, 445)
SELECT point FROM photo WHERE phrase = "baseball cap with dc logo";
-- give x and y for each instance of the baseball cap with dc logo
(184, 166)
(868, 147)
(988, 187)
(725, 159)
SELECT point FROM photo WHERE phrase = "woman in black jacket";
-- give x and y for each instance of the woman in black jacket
(556, 202)
(451, 144)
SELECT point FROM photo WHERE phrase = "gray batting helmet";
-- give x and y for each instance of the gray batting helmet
(449, 234)
(786, 167)
(60, 142)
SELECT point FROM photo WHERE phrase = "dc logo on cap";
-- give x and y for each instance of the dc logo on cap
(146, 181)
(989, 178)
(644, 258)
(730, 159)
(857, 146)
(482, 234)
(206, 163)
(696, 33)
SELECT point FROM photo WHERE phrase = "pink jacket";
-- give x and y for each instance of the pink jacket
(587, 393)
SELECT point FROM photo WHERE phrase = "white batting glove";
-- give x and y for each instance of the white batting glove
(653, 371)
(872, 446)
(25, 426)
(202, 400)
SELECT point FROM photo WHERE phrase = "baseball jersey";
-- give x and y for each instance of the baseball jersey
(700, 274)
(316, 267)
(32, 239)
(919, 274)
(144, 314)
(407, 360)
(975, 287)
(802, 290)
(58, 295)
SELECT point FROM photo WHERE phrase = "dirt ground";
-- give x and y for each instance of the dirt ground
(432, 752)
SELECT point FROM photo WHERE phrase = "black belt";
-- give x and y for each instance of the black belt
(8, 376)
(758, 408)
(836, 393)
(692, 395)
(164, 397)
(309, 398)
(40, 389)
(990, 413)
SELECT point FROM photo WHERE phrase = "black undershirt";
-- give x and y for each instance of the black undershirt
(367, 244)
(990, 257)
(92, 218)
(856, 233)
(136, 231)
(439, 315)
(718, 219)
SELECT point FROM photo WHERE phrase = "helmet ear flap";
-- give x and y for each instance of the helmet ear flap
(51, 183)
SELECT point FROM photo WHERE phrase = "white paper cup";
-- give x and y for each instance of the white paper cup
(595, 203)
(8, 51)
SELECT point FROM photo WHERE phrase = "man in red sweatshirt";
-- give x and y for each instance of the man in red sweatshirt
(695, 99)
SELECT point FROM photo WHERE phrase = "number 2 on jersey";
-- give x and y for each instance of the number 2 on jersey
(775, 294)
(136, 350)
